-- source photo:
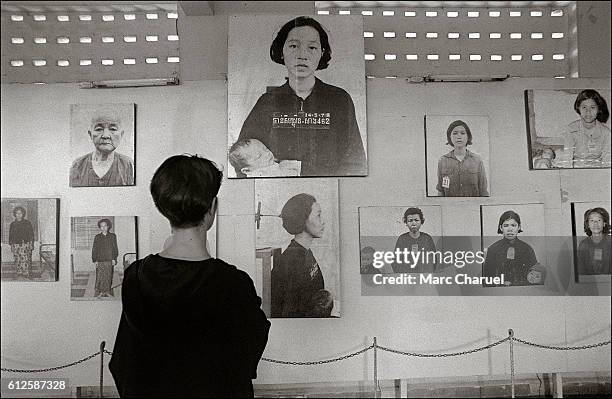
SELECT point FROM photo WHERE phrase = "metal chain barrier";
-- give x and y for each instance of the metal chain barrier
(353, 354)
(563, 348)
(501, 341)
(51, 368)
(337, 359)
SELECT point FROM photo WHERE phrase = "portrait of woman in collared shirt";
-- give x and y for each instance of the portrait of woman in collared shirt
(304, 118)
(462, 171)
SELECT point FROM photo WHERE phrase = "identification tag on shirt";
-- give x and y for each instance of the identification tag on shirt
(306, 120)
(446, 182)
(510, 253)
(415, 248)
(597, 254)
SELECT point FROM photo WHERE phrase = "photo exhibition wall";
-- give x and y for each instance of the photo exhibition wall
(330, 204)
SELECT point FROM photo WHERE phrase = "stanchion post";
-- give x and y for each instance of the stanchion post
(102, 345)
(377, 392)
(511, 340)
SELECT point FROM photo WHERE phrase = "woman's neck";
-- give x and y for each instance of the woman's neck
(304, 239)
(187, 244)
(103, 157)
(302, 86)
(414, 235)
(596, 238)
(589, 125)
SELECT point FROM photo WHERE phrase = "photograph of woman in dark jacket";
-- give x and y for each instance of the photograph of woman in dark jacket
(104, 254)
(21, 240)
(307, 119)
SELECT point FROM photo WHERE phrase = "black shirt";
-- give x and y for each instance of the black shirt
(321, 131)
(188, 329)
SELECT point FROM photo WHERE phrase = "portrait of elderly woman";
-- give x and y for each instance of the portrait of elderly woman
(298, 227)
(462, 171)
(302, 118)
(99, 130)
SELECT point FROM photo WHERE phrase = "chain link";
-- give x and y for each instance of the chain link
(443, 354)
(337, 359)
(563, 348)
(51, 368)
(359, 352)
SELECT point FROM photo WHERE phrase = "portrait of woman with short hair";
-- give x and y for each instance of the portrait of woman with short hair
(306, 117)
(461, 171)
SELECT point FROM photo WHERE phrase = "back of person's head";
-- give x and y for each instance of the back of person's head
(184, 187)
(296, 211)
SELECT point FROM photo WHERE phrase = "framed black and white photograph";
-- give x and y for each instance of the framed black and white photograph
(513, 239)
(296, 96)
(103, 145)
(568, 128)
(30, 239)
(101, 248)
(387, 229)
(592, 241)
(457, 155)
(297, 248)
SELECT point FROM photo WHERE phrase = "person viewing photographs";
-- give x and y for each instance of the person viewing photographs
(191, 325)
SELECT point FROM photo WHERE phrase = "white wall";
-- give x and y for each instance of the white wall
(41, 327)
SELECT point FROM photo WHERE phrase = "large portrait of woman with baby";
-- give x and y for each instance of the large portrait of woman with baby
(296, 96)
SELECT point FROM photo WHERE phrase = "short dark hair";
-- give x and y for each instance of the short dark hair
(184, 187)
(19, 208)
(296, 211)
(507, 216)
(602, 107)
(454, 125)
(414, 211)
(276, 49)
(604, 215)
(107, 221)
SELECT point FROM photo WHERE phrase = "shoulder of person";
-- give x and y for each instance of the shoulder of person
(603, 126)
(334, 90)
(80, 160)
(123, 158)
(573, 127)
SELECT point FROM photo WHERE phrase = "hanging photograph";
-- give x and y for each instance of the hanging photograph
(387, 229)
(592, 241)
(102, 143)
(296, 96)
(30, 239)
(101, 248)
(568, 128)
(513, 239)
(457, 155)
(297, 248)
